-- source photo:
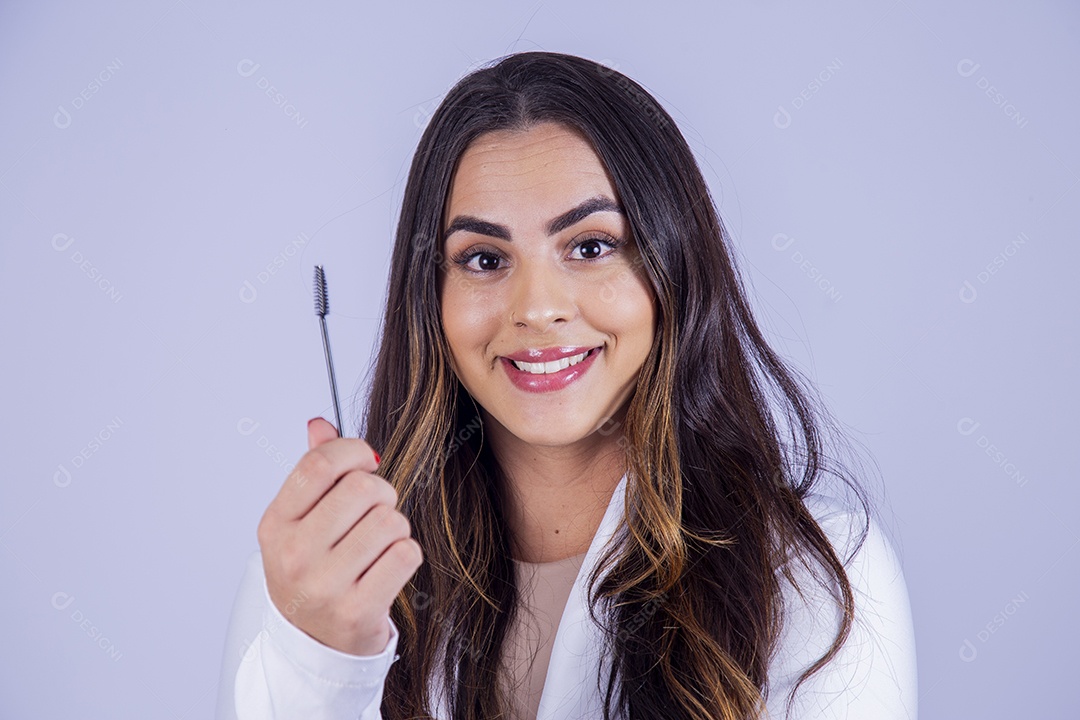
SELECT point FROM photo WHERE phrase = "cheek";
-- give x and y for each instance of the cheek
(469, 317)
(623, 302)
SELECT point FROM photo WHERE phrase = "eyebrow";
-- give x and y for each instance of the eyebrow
(598, 203)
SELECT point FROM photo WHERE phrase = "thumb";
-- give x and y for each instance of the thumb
(319, 431)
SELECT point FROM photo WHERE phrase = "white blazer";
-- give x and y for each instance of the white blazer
(272, 669)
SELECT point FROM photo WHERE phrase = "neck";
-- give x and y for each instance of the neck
(555, 496)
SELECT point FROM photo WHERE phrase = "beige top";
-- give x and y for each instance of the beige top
(545, 588)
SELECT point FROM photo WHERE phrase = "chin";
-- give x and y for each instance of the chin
(548, 436)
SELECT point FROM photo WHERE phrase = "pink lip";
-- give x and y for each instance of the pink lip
(549, 382)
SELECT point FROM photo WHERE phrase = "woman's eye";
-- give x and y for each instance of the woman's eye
(592, 248)
(486, 261)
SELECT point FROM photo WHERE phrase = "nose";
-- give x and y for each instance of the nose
(541, 296)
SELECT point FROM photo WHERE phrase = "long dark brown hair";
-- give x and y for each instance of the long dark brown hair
(722, 444)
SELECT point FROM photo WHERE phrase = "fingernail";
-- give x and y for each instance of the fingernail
(376, 456)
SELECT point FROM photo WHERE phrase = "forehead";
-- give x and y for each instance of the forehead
(540, 171)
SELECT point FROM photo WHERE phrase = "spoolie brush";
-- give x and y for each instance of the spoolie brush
(322, 307)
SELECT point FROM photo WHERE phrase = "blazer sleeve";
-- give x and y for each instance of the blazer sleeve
(272, 669)
(874, 674)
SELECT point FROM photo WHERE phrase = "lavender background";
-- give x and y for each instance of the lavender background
(900, 178)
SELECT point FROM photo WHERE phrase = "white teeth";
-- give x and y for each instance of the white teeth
(549, 367)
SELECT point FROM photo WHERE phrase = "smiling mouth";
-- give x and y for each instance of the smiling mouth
(554, 366)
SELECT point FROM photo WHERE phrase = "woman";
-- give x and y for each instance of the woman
(597, 491)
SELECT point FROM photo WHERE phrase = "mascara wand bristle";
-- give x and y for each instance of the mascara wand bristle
(322, 306)
(322, 301)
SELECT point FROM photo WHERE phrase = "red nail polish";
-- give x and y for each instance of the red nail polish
(376, 456)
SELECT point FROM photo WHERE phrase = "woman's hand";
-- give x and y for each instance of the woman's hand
(335, 550)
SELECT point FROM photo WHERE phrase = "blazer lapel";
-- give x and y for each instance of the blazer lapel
(570, 688)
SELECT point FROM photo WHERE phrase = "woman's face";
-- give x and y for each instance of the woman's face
(540, 264)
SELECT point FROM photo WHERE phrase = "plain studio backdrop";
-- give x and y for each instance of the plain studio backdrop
(899, 177)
